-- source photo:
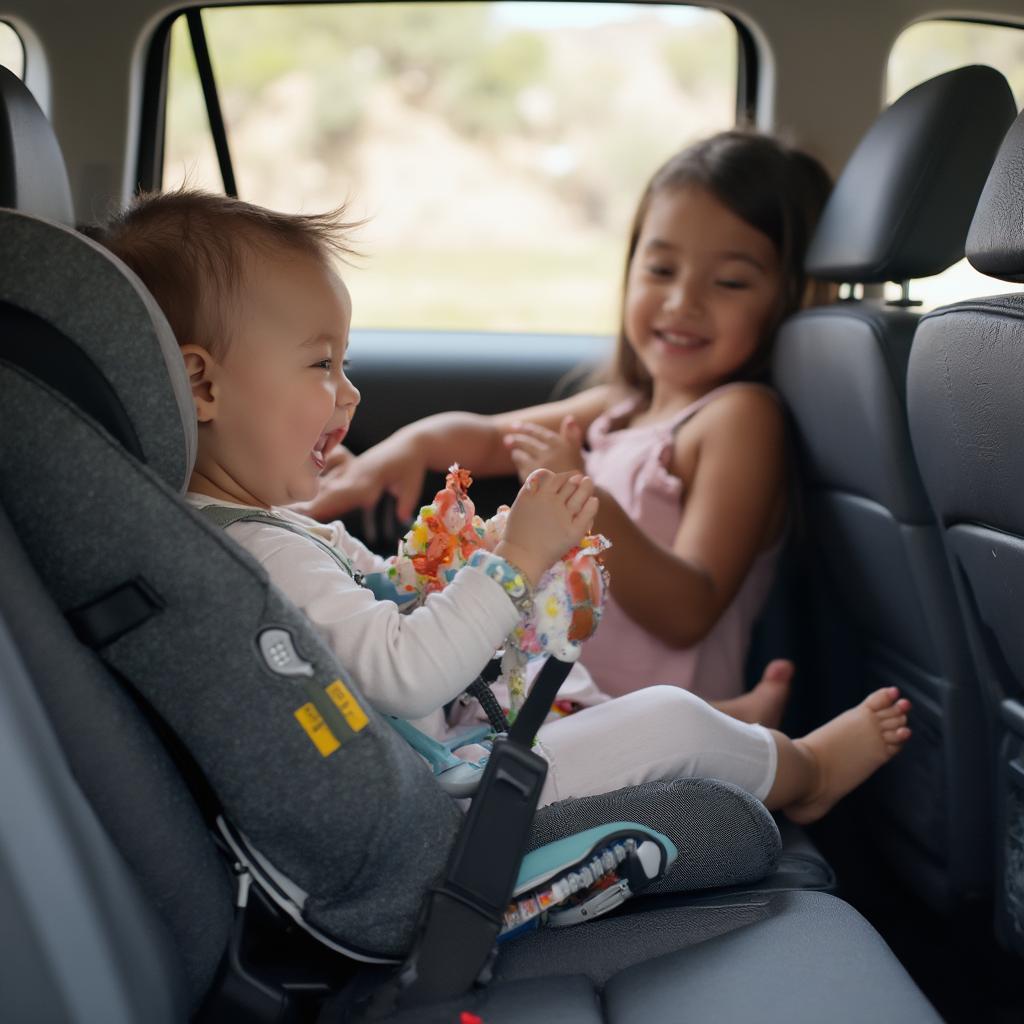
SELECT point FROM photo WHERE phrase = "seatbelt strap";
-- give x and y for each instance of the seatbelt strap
(463, 915)
(538, 704)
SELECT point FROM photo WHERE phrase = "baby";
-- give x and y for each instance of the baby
(262, 320)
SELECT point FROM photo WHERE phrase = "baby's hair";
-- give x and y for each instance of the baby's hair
(775, 188)
(190, 249)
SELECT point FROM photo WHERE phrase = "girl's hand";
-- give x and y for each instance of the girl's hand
(534, 447)
(358, 481)
(551, 514)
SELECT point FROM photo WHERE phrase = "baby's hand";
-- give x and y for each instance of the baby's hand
(551, 514)
(535, 447)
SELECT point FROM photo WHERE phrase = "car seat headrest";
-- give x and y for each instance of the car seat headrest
(75, 317)
(995, 243)
(33, 177)
(902, 205)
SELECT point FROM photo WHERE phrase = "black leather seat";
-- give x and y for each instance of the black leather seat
(33, 177)
(900, 210)
(966, 404)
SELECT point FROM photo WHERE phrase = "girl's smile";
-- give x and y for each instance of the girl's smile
(678, 342)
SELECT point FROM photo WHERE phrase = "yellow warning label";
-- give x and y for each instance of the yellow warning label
(347, 705)
(317, 729)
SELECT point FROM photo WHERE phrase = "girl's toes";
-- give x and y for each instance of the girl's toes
(892, 719)
(883, 698)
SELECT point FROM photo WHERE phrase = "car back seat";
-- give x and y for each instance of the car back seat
(900, 210)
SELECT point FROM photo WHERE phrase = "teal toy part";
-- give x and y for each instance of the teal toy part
(545, 862)
(583, 876)
(383, 588)
(458, 777)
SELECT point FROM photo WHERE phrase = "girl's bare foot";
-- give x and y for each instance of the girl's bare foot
(849, 749)
(765, 703)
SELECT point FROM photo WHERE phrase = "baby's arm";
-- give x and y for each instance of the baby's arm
(406, 665)
(410, 665)
(734, 507)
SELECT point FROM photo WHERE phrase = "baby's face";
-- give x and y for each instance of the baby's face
(283, 400)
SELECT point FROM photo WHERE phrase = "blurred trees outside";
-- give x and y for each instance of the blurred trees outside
(497, 148)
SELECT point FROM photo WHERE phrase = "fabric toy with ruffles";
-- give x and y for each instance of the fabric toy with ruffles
(566, 604)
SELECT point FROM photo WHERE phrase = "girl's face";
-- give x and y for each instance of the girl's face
(702, 289)
(282, 397)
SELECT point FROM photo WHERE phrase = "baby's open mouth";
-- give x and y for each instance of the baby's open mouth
(326, 442)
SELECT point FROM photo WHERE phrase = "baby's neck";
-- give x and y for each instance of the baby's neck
(200, 483)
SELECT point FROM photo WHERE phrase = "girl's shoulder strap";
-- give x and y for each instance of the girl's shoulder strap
(695, 407)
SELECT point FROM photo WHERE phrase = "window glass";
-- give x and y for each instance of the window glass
(12, 53)
(497, 149)
(930, 48)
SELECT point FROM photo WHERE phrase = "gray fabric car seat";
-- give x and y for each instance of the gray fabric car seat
(966, 404)
(899, 210)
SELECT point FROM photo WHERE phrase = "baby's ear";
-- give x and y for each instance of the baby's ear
(200, 365)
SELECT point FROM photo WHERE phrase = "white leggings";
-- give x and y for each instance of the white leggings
(659, 732)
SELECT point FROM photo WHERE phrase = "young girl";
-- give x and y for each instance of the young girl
(686, 446)
(262, 321)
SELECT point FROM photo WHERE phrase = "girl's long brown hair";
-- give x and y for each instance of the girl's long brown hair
(774, 188)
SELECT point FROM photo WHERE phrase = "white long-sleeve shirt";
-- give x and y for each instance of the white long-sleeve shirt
(406, 665)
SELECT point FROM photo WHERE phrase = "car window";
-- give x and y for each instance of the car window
(930, 48)
(497, 149)
(12, 53)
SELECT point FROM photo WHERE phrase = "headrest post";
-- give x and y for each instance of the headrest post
(904, 301)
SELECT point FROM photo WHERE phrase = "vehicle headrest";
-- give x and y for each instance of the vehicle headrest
(903, 203)
(33, 177)
(73, 316)
(995, 243)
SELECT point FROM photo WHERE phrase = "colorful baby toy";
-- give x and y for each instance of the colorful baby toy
(567, 602)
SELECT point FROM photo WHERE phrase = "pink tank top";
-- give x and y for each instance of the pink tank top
(631, 464)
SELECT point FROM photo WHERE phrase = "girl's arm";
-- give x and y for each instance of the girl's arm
(399, 464)
(734, 507)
